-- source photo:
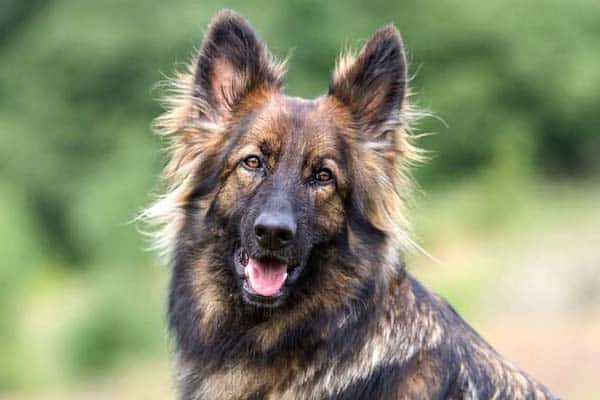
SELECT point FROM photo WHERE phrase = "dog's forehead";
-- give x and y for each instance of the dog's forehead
(295, 124)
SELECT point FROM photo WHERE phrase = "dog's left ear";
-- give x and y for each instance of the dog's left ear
(373, 84)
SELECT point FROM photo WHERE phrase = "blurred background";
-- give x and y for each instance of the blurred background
(508, 204)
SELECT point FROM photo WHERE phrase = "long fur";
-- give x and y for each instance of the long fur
(352, 324)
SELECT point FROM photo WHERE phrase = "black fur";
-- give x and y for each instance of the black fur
(349, 322)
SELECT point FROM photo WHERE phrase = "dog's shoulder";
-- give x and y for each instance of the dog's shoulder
(458, 356)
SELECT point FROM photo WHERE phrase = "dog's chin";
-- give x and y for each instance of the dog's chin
(265, 282)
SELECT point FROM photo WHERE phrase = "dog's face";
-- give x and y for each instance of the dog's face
(285, 182)
(284, 187)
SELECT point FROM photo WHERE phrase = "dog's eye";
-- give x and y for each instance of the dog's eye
(252, 162)
(323, 175)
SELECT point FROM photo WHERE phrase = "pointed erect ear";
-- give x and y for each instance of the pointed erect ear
(233, 62)
(373, 83)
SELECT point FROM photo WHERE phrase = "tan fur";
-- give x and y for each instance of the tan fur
(285, 352)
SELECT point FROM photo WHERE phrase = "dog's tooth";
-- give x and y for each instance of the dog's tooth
(244, 257)
(284, 276)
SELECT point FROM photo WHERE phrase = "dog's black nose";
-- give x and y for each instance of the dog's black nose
(274, 230)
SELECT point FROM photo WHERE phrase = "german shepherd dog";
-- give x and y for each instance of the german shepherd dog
(284, 220)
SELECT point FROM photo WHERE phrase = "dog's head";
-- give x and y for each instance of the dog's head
(279, 185)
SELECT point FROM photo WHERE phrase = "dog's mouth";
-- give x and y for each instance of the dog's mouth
(264, 279)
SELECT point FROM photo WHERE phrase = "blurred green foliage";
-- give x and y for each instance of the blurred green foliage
(515, 84)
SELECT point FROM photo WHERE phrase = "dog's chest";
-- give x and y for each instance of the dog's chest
(374, 369)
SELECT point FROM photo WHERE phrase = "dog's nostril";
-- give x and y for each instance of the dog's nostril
(259, 230)
(285, 235)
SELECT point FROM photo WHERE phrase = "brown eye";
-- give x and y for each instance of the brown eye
(323, 175)
(252, 162)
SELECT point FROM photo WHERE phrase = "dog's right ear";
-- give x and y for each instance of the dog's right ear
(233, 62)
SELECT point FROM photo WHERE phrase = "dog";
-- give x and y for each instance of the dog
(284, 219)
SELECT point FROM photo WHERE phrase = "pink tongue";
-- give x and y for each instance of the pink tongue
(266, 278)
